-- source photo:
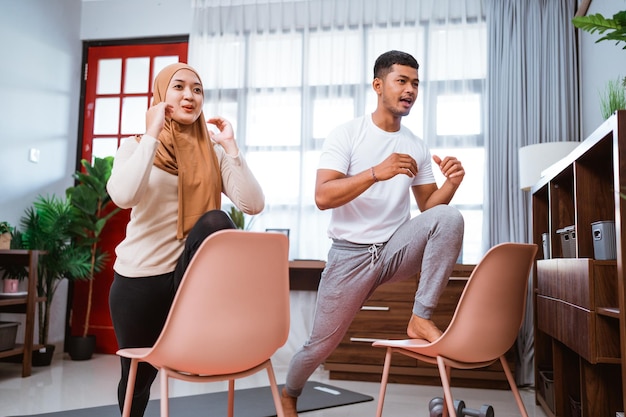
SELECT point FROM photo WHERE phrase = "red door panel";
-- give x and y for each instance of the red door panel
(111, 82)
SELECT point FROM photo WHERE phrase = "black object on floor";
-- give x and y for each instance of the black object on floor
(249, 402)
(435, 406)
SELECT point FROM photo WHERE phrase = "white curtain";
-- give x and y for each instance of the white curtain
(286, 72)
(533, 98)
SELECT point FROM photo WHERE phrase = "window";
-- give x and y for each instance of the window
(118, 91)
(285, 91)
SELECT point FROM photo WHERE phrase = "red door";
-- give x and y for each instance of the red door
(118, 90)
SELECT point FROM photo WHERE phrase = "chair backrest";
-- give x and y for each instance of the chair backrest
(231, 311)
(491, 309)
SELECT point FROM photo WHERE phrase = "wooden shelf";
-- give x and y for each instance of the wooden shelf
(23, 305)
(608, 311)
(579, 301)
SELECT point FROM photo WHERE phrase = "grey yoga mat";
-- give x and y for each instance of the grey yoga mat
(249, 402)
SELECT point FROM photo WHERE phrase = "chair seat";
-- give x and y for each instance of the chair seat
(425, 351)
(402, 343)
(133, 352)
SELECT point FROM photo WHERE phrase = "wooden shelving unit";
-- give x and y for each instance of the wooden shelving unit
(579, 302)
(23, 305)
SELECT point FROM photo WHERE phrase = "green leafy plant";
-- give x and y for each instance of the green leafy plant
(613, 97)
(92, 208)
(237, 217)
(47, 226)
(613, 29)
(18, 272)
(240, 219)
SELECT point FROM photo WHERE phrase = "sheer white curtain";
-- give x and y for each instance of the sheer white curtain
(286, 72)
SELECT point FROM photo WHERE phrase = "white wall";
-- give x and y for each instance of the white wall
(122, 19)
(39, 108)
(40, 89)
(599, 63)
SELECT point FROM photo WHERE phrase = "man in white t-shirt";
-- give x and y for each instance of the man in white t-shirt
(366, 170)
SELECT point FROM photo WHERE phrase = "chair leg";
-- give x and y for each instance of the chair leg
(231, 397)
(444, 373)
(165, 396)
(275, 393)
(513, 385)
(383, 383)
(130, 388)
(448, 376)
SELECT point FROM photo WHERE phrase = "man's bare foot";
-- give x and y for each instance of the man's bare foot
(420, 328)
(289, 404)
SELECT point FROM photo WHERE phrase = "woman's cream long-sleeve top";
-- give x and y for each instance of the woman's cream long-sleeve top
(150, 246)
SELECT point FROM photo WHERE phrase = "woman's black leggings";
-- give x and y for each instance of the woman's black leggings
(139, 308)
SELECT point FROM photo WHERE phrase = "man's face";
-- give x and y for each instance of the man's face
(397, 92)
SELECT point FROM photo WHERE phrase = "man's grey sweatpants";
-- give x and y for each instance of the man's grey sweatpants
(429, 243)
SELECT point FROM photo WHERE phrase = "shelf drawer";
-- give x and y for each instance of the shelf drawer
(393, 316)
(396, 291)
(405, 290)
(594, 337)
(582, 282)
(383, 316)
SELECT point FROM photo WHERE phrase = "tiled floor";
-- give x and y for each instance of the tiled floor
(68, 384)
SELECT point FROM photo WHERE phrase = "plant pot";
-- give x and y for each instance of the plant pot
(10, 285)
(81, 348)
(5, 241)
(43, 356)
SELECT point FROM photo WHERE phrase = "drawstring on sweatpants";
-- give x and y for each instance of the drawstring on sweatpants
(373, 249)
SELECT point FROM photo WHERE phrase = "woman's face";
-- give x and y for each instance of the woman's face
(185, 95)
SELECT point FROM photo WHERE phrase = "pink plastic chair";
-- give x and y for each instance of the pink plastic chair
(230, 315)
(485, 324)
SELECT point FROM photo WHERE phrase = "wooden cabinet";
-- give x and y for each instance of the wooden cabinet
(385, 316)
(578, 300)
(24, 305)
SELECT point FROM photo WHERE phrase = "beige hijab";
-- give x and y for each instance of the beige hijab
(187, 151)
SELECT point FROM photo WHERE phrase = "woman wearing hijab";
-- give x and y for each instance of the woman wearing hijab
(172, 178)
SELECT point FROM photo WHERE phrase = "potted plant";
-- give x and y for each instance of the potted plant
(5, 235)
(13, 274)
(613, 97)
(47, 226)
(92, 208)
(239, 218)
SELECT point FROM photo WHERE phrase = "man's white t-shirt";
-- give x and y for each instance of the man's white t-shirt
(377, 213)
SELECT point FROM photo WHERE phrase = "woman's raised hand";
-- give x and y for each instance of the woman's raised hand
(225, 137)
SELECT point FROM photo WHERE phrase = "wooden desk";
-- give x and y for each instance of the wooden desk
(304, 275)
(24, 305)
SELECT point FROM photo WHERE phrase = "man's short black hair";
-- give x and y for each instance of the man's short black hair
(383, 64)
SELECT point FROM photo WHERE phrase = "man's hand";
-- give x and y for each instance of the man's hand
(395, 164)
(451, 168)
